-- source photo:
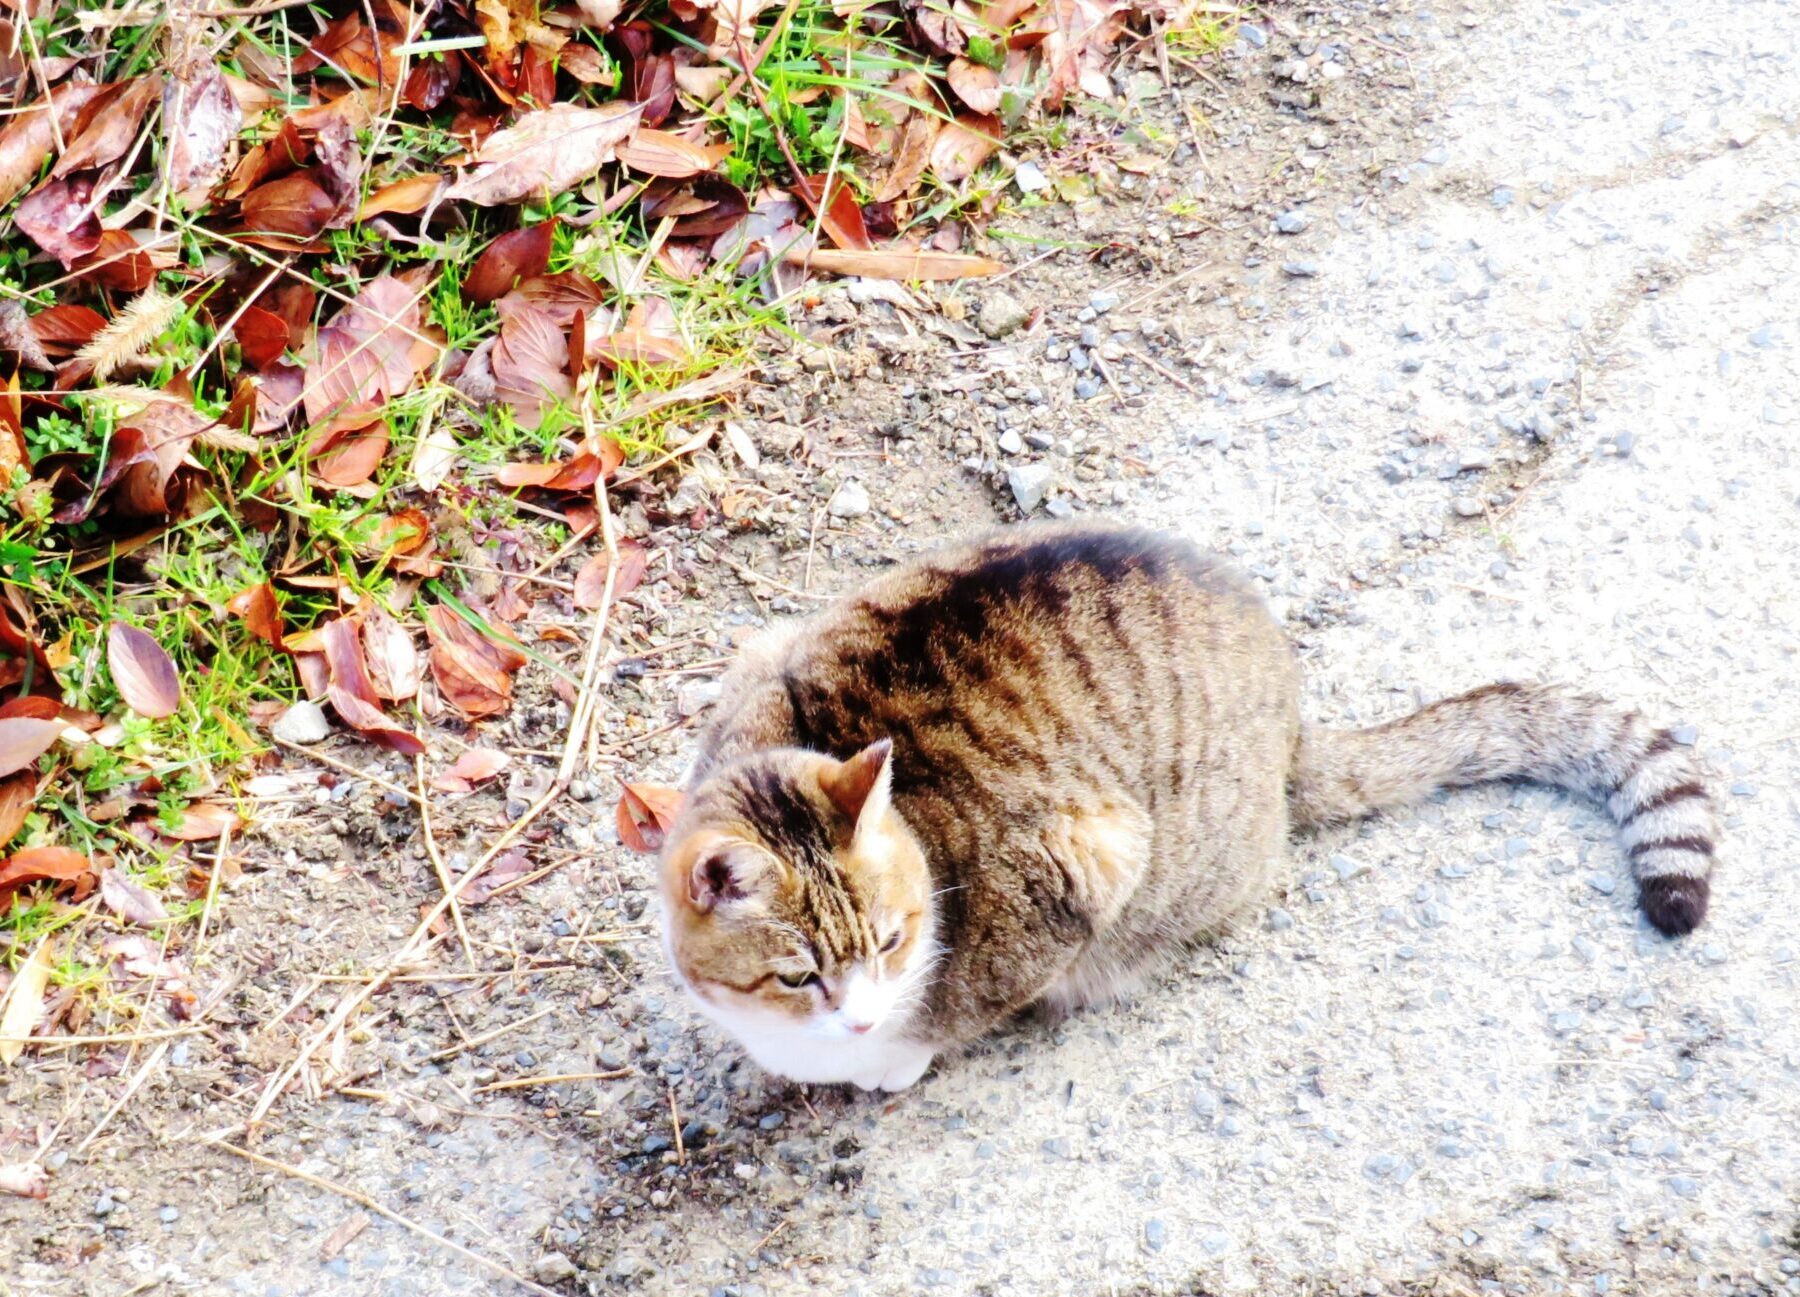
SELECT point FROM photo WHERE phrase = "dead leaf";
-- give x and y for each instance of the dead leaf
(260, 610)
(646, 813)
(24, 739)
(590, 582)
(530, 365)
(402, 197)
(66, 327)
(545, 153)
(472, 671)
(367, 356)
(911, 159)
(262, 336)
(515, 255)
(839, 215)
(295, 205)
(390, 655)
(903, 264)
(353, 457)
(962, 146)
(110, 130)
(130, 900)
(341, 1237)
(473, 766)
(41, 864)
(24, 1179)
(433, 458)
(351, 691)
(200, 120)
(200, 822)
(20, 340)
(24, 1000)
(18, 793)
(649, 337)
(142, 672)
(59, 216)
(653, 152)
(976, 84)
(29, 136)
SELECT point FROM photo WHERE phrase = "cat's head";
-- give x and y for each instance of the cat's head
(795, 896)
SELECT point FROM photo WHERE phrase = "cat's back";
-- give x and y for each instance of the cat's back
(1031, 652)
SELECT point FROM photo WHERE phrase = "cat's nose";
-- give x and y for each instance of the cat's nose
(861, 1028)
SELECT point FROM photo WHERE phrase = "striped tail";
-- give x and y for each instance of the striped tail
(1544, 734)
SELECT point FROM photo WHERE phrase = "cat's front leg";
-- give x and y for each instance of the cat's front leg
(896, 1068)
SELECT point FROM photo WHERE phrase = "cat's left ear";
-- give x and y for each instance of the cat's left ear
(859, 786)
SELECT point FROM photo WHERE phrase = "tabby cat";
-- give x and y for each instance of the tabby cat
(1030, 768)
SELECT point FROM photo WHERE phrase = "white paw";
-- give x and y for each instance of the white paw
(900, 1069)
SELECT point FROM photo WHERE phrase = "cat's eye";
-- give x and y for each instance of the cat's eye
(892, 944)
(796, 981)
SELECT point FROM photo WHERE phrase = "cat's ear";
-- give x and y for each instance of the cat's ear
(859, 786)
(721, 874)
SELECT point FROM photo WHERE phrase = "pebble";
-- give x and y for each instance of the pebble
(103, 1205)
(695, 696)
(1156, 1234)
(1292, 222)
(1001, 314)
(1467, 506)
(1300, 269)
(169, 1215)
(1686, 735)
(1040, 440)
(850, 500)
(1348, 868)
(304, 722)
(1103, 301)
(1684, 1186)
(1030, 178)
(1030, 483)
(1743, 788)
(1058, 1147)
(1087, 388)
(1279, 919)
(1011, 442)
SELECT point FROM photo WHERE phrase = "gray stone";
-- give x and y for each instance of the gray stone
(304, 722)
(1011, 442)
(695, 696)
(1300, 269)
(1030, 178)
(1279, 919)
(1292, 222)
(1156, 1235)
(1001, 313)
(1030, 483)
(850, 500)
(1466, 506)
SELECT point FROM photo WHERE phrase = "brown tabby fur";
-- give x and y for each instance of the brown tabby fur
(1097, 758)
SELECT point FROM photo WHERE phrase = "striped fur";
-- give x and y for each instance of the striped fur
(1544, 734)
(1096, 757)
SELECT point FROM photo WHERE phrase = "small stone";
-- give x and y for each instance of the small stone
(771, 1120)
(1502, 197)
(695, 696)
(304, 722)
(1087, 387)
(1030, 178)
(1216, 1242)
(103, 1205)
(1030, 483)
(1040, 440)
(1001, 313)
(169, 1215)
(1412, 329)
(1011, 442)
(1743, 788)
(1103, 301)
(1156, 1234)
(1300, 269)
(1566, 1021)
(1348, 868)
(1603, 883)
(1465, 506)
(1229, 1126)
(1059, 507)
(1253, 36)
(1713, 953)
(1279, 919)
(627, 1266)
(1686, 735)
(1292, 222)
(1684, 1186)
(1516, 847)
(850, 500)
(1058, 1147)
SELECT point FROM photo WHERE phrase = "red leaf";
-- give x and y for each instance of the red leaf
(261, 613)
(29, 136)
(121, 262)
(516, 255)
(142, 671)
(402, 197)
(367, 356)
(839, 214)
(590, 582)
(262, 336)
(473, 672)
(110, 130)
(561, 296)
(545, 152)
(66, 327)
(473, 766)
(646, 813)
(61, 864)
(352, 692)
(530, 363)
(294, 205)
(60, 218)
(353, 457)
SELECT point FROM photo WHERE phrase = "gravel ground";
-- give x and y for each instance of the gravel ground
(1497, 381)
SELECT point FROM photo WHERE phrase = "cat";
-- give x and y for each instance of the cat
(1030, 768)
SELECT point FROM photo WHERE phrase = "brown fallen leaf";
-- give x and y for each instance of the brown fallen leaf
(41, 864)
(545, 153)
(110, 130)
(473, 672)
(142, 671)
(60, 217)
(25, 1179)
(352, 457)
(262, 336)
(976, 84)
(911, 159)
(836, 207)
(261, 612)
(29, 137)
(200, 120)
(341, 1237)
(65, 328)
(367, 356)
(964, 145)
(903, 264)
(24, 1001)
(18, 793)
(590, 582)
(514, 256)
(24, 739)
(653, 152)
(473, 766)
(295, 205)
(391, 657)
(403, 197)
(530, 364)
(645, 814)
(433, 458)
(200, 822)
(130, 900)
